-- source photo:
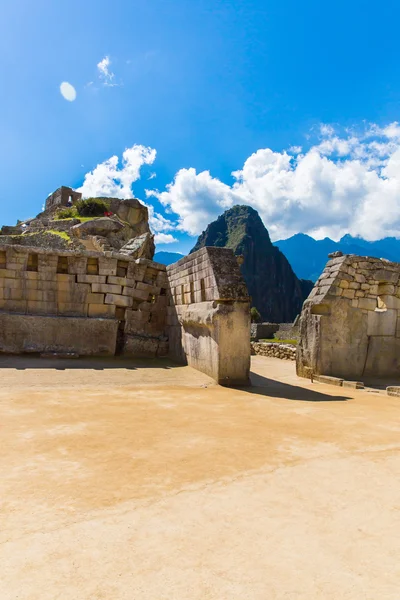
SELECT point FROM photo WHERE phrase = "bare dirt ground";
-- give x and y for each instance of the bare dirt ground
(123, 482)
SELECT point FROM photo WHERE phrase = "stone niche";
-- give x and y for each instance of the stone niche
(349, 325)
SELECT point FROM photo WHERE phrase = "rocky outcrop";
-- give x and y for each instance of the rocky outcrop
(274, 288)
(139, 247)
(102, 226)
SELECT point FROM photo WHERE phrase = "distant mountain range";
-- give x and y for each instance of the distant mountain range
(308, 256)
(167, 258)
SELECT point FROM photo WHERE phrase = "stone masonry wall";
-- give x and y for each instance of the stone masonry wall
(283, 351)
(98, 286)
(209, 315)
(61, 196)
(350, 323)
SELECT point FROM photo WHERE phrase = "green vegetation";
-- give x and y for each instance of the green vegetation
(279, 341)
(92, 207)
(61, 234)
(255, 315)
(67, 213)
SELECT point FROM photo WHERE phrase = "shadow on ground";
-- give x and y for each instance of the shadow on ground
(33, 361)
(276, 389)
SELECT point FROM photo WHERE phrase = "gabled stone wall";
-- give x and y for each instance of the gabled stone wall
(349, 325)
(209, 315)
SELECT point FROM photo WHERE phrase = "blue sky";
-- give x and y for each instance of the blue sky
(299, 99)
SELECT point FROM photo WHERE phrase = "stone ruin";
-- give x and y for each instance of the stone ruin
(62, 197)
(350, 323)
(107, 302)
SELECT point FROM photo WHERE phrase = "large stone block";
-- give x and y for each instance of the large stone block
(20, 333)
(118, 300)
(106, 288)
(382, 323)
(102, 310)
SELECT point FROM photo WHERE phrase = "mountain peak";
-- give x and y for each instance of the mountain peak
(274, 288)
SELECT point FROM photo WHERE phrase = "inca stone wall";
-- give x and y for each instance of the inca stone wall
(70, 292)
(349, 325)
(209, 315)
(104, 303)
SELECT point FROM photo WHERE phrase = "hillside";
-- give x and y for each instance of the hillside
(275, 290)
(167, 258)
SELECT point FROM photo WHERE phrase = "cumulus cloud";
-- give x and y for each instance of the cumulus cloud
(115, 178)
(164, 238)
(109, 178)
(106, 76)
(68, 91)
(346, 182)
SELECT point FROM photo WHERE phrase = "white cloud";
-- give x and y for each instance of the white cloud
(114, 179)
(110, 179)
(164, 238)
(68, 91)
(105, 73)
(152, 176)
(345, 183)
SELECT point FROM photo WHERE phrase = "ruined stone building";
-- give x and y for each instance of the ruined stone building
(350, 323)
(117, 300)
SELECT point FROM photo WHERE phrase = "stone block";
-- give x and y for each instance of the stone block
(136, 294)
(102, 310)
(41, 307)
(106, 288)
(35, 333)
(353, 285)
(118, 300)
(356, 385)
(117, 280)
(12, 283)
(328, 379)
(95, 298)
(141, 347)
(64, 277)
(349, 293)
(72, 309)
(91, 278)
(393, 390)
(382, 323)
(77, 265)
(367, 303)
(344, 284)
(10, 273)
(386, 275)
(18, 306)
(107, 266)
(13, 294)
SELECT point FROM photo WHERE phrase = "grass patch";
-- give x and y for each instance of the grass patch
(61, 234)
(278, 341)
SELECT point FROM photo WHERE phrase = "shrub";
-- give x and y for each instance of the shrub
(92, 207)
(67, 213)
(255, 315)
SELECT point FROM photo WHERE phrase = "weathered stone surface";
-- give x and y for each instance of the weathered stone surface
(212, 335)
(328, 379)
(102, 226)
(354, 335)
(139, 247)
(26, 333)
(393, 390)
(356, 385)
